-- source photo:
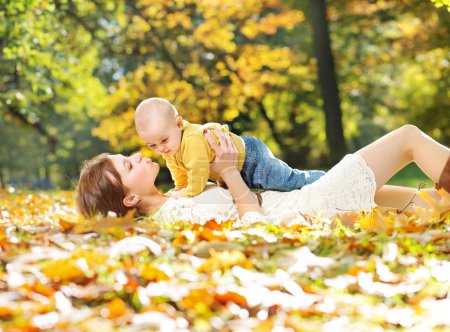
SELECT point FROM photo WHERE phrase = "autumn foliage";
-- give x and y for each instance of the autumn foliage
(380, 268)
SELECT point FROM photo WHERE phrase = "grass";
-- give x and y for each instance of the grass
(411, 176)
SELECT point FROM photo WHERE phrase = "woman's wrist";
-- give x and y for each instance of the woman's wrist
(229, 173)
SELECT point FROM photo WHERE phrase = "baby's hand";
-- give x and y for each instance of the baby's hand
(178, 193)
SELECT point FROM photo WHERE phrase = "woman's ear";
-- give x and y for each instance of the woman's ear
(131, 200)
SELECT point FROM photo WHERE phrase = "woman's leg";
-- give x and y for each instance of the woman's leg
(401, 197)
(390, 153)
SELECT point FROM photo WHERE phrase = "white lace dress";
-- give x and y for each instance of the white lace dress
(348, 186)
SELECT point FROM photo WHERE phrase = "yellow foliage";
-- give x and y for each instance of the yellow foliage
(222, 260)
(179, 18)
(201, 71)
(198, 300)
(152, 273)
(217, 35)
(230, 114)
(93, 258)
(63, 270)
(436, 209)
(375, 221)
(270, 24)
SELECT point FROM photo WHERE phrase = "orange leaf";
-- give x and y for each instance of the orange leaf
(211, 235)
(231, 297)
(65, 225)
(6, 312)
(355, 270)
(116, 308)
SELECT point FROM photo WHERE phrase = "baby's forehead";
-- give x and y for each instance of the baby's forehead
(154, 131)
(153, 119)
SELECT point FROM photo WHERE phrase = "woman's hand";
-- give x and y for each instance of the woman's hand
(178, 193)
(226, 161)
(226, 165)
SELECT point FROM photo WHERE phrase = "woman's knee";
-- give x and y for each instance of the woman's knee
(410, 135)
(410, 131)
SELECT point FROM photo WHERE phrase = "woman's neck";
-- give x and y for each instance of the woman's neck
(153, 203)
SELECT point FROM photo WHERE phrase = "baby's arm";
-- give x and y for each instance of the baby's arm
(198, 172)
(179, 175)
(196, 160)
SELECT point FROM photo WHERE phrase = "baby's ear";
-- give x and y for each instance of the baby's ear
(131, 200)
(179, 121)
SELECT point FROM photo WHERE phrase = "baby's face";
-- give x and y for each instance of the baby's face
(163, 135)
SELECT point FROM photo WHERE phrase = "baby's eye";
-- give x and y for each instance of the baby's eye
(164, 140)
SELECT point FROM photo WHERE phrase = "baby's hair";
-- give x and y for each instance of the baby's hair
(150, 107)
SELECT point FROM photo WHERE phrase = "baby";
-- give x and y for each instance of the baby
(188, 154)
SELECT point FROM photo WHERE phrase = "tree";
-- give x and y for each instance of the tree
(47, 83)
(327, 79)
(215, 62)
(391, 67)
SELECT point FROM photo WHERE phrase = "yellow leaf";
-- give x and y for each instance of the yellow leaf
(224, 260)
(63, 270)
(92, 257)
(374, 221)
(152, 273)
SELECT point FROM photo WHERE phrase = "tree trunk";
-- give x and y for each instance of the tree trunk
(2, 180)
(327, 80)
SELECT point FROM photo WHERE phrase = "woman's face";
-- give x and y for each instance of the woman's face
(138, 173)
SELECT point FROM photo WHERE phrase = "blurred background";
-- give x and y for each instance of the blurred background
(313, 79)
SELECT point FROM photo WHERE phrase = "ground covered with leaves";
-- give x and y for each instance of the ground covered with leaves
(390, 271)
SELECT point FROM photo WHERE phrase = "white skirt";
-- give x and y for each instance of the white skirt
(349, 186)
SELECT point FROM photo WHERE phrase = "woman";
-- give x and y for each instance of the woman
(117, 183)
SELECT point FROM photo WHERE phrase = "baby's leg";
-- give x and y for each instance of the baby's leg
(272, 173)
(390, 153)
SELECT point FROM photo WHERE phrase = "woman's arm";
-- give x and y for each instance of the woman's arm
(226, 165)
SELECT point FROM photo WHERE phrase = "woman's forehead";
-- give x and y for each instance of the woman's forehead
(118, 161)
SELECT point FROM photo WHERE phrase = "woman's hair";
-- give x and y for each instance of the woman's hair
(100, 188)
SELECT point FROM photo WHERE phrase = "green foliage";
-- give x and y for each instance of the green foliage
(392, 67)
(48, 88)
(71, 69)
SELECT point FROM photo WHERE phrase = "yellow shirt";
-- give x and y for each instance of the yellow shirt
(190, 165)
